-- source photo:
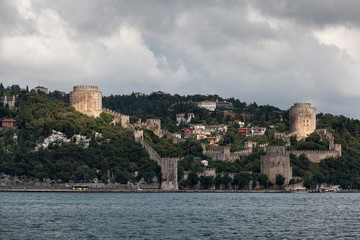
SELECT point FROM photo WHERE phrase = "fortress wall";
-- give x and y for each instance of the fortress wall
(224, 154)
(316, 155)
(276, 161)
(208, 172)
(169, 167)
(273, 165)
(124, 120)
(169, 173)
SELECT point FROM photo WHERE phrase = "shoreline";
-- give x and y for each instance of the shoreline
(65, 190)
(136, 191)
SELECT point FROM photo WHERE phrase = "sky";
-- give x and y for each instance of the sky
(274, 52)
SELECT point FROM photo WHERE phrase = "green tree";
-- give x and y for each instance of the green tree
(218, 181)
(206, 181)
(280, 179)
(242, 180)
(193, 179)
(226, 180)
(108, 118)
(263, 180)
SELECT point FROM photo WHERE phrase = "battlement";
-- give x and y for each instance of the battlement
(275, 150)
(243, 152)
(86, 88)
(302, 104)
(87, 100)
(308, 152)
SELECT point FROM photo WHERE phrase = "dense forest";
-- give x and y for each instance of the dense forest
(112, 155)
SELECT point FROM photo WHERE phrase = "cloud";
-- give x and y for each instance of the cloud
(271, 52)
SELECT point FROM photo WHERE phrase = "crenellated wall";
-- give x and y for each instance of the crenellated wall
(124, 120)
(277, 160)
(317, 155)
(224, 154)
(169, 167)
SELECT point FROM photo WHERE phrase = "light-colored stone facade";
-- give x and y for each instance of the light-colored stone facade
(87, 100)
(302, 119)
(276, 161)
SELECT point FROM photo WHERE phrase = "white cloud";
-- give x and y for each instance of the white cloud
(255, 51)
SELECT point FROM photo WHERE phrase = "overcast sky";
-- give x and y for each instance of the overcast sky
(271, 52)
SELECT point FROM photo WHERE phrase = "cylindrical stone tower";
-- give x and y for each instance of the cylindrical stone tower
(87, 100)
(302, 119)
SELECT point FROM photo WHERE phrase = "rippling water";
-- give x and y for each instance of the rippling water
(179, 216)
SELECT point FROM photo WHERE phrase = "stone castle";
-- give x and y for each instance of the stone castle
(87, 100)
(302, 119)
(302, 123)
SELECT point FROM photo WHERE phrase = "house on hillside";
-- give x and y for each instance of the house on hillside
(220, 128)
(207, 104)
(160, 93)
(245, 131)
(138, 94)
(240, 123)
(39, 89)
(256, 131)
(212, 140)
(188, 132)
(226, 105)
(177, 135)
(8, 123)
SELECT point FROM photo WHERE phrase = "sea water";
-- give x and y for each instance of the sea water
(179, 216)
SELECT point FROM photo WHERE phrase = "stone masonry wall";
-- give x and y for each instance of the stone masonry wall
(169, 167)
(87, 100)
(316, 155)
(302, 119)
(276, 161)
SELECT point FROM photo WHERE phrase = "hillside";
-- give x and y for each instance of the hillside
(111, 154)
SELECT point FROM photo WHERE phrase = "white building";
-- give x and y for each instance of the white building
(205, 163)
(256, 131)
(209, 105)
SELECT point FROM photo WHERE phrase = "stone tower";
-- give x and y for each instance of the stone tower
(276, 161)
(302, 119)
(87, 100)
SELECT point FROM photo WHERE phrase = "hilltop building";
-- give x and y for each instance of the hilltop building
(224, 104)
(209, 105)
(39, 89)
(256, 131)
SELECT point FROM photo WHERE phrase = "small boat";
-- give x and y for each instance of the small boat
(80, 187)
(300, 190)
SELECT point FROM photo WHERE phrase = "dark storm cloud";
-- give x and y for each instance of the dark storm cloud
(318, 13)
(271, 52)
